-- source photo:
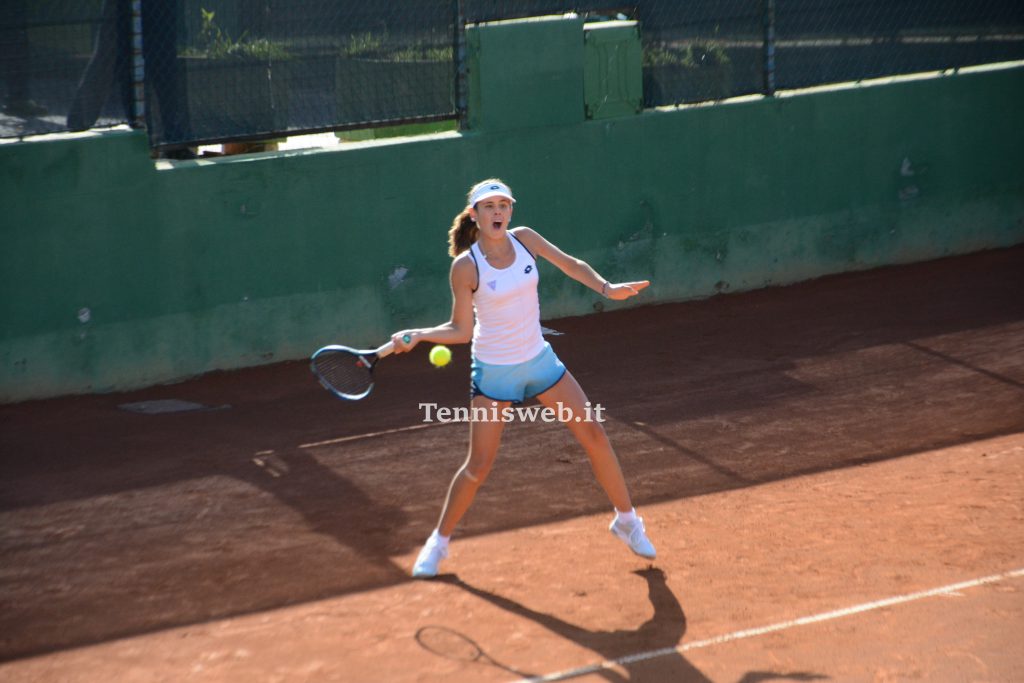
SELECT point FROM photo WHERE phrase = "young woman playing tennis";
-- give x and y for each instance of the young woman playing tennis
(494, 276)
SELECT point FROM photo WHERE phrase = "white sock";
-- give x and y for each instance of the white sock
(439, 539)
(627, 518)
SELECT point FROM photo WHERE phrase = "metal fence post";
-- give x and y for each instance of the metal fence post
(138, 113)
(460, 63)
(769, 47)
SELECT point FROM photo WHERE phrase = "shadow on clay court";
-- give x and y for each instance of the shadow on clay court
(664, 629)
(621, 650)
(277, 528)
(115, 524)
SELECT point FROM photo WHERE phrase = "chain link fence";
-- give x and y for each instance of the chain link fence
(238, 69)
(833, 41)
(64, 64)
(195, 71)
(701, 50)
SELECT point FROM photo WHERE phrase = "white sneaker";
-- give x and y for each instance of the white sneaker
(635, 537)
(429, 558)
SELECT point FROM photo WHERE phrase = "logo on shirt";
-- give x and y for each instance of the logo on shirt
(493, 284)
(528, 269)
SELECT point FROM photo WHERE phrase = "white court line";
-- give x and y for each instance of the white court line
(356, 437)
(781, 626)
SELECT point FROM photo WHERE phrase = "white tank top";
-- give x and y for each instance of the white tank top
(507, 328)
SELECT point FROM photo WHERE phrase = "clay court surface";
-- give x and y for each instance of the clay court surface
(833, 474)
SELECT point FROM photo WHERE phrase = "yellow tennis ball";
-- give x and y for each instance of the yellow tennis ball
(440, 356)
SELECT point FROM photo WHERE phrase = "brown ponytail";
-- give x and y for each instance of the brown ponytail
(462, 234)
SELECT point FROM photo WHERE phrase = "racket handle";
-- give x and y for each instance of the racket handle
(389, 348)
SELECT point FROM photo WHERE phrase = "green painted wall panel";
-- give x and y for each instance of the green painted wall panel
(240, 261)
(612, 69)
(525, 73)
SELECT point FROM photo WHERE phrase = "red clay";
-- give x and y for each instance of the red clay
(794, 451)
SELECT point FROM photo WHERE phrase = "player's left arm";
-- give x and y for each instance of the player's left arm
(577, 269)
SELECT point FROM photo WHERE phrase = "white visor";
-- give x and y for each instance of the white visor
(490, 190)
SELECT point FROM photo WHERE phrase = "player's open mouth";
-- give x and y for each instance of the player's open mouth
(496, 225)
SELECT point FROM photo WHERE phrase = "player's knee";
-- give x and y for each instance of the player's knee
(590, 432)
(475, 475)
(477, 468)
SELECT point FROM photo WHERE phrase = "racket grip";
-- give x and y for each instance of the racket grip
(389, 348)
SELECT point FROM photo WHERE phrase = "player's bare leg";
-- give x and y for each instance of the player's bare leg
(568, 395)
(570, 403)
(484, 439)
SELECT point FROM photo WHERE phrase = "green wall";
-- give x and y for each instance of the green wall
(201, 265)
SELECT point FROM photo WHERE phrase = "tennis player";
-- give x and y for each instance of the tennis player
(494, 276)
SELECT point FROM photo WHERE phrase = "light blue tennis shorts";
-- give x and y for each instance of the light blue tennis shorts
(519, 381)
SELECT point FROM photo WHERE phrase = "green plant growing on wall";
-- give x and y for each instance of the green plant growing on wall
(234, 86)
(694, 56)
(687, 72)
(364, 45)
(374, 46)
(215, 43)
(423, 53)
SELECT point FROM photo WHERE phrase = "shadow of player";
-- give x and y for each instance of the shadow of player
(646, 654)
(661, 633)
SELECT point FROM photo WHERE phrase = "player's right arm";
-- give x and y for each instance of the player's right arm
(459, 329)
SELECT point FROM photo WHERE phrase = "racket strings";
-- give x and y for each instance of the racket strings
(346, 373)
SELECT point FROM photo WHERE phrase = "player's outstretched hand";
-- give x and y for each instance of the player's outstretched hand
(624, 290)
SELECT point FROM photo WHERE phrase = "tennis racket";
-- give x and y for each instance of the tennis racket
(348, 373)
